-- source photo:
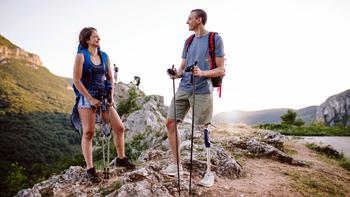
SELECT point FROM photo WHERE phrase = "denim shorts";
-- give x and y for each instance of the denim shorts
(84, 103)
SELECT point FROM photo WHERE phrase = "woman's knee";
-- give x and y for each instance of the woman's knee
(88, 134)
(120, 129)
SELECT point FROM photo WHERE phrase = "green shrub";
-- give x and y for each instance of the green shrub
(136, 146)
(299, 122)
(129, 105)
(331, 153)
(314, 129)
(16, 180)
(328, 150)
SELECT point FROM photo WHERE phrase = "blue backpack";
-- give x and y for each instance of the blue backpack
(87, 76)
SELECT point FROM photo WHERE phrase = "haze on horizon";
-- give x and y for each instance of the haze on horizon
(280, 54)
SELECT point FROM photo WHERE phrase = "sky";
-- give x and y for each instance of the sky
(279, 53)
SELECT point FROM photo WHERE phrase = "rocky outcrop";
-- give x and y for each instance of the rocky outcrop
(147, 129)
(336, 109)
(150, 113)
(15, 55)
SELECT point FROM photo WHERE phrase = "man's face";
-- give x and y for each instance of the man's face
(193, 21)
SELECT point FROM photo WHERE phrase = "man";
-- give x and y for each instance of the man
(197, 51)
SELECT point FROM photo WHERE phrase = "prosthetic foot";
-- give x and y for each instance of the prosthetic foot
(209, 177)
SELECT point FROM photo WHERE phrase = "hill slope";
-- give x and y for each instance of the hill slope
(263, 116)
(34, 111)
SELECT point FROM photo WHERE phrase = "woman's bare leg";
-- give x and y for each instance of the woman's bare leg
(118, 131)
(87, 117)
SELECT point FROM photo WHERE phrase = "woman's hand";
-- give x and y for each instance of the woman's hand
(94, 102)
(110, 104)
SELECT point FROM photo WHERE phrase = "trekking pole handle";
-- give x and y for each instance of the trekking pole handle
(190, 68)
(116, 69)
(171, 71)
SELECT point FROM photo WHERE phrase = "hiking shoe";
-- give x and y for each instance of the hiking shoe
(92, 176)
(124, 163)
(171, 170)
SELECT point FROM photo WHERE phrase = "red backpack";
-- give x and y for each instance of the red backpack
(216, 81)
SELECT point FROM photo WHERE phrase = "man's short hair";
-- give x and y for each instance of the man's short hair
(201, 14)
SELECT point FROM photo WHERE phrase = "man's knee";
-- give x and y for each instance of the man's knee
(170, 123)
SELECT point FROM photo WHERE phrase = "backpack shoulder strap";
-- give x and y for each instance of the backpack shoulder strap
(211, 44)
(87, 60)
(104, 59)
(212, 41)
(189, 42)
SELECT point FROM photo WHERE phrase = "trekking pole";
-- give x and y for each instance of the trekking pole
(172, 72)
(108, 153)
(105, 133)
(103, 147)
(190, 69)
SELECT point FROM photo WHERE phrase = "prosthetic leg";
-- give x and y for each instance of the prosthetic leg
(209, 177)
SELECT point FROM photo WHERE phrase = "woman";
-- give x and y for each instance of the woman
(90, 74)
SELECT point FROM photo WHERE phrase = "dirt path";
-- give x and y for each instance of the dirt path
(266, 177)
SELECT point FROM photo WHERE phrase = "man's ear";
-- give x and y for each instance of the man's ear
(199, 20)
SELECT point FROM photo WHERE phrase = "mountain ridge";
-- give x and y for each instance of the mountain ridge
(263, 116)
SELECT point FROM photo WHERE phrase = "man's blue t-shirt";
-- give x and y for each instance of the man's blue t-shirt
(199, 50)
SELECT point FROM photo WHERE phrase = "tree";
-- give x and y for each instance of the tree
(299, 122)
(16, 180)
(289, 117)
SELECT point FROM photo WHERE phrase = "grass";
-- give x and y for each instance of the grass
(7, 43)
(315, 129)
(288, 150)
(312, 184)
(111, 188)
(331, 153)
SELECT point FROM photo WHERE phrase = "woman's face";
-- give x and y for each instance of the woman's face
(94, 40)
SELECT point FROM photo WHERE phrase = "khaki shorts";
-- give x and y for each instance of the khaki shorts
(203, 109)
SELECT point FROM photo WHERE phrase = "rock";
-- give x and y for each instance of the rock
(222, 163)
(7, 55)
(227, 166)
(143, 182)
(143, 189)
(335, 109)
(149, 117)
(151, 155)
(28, 193)
(273, 138)
(68, 179)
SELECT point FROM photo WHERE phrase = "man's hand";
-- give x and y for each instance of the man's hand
(173, 74)
(197, 71)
